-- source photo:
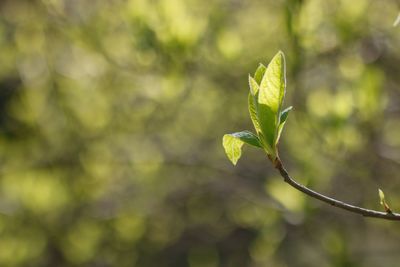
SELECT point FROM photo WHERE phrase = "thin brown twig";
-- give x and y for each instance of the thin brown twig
(332, 201)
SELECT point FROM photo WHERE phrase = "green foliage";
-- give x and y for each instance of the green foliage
(267, 91)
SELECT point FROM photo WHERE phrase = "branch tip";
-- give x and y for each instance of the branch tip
(388, 215)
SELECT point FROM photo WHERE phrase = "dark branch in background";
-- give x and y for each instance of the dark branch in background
(332, 201)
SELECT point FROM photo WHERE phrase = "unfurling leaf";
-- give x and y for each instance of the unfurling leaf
(259, 74)
(252, 104)
(233, 143)
(283, 117)
(253, 110)
(253, 86)
(272, 85)
(270, 98)
(383, 201)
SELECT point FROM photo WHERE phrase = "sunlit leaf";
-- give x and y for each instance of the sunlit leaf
(233, 143)
(253, 110)
(272, 86)
(267, 121)
(270, 97)
(253, 86)
(252, 105)
(259, 74)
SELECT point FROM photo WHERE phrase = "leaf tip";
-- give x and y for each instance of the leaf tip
(253, 86)
(281, 54)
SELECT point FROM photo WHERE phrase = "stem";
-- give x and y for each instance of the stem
(332, 201)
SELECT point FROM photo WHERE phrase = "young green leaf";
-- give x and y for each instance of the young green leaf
(259, 74)
(252, 105)
(270, 98)
(272, 86)
(233, 143)
(254, 87)
(267, 121)
(283, 117)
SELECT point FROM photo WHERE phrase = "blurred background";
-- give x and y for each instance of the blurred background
(112, 114)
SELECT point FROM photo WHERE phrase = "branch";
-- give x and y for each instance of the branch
(332, 201)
